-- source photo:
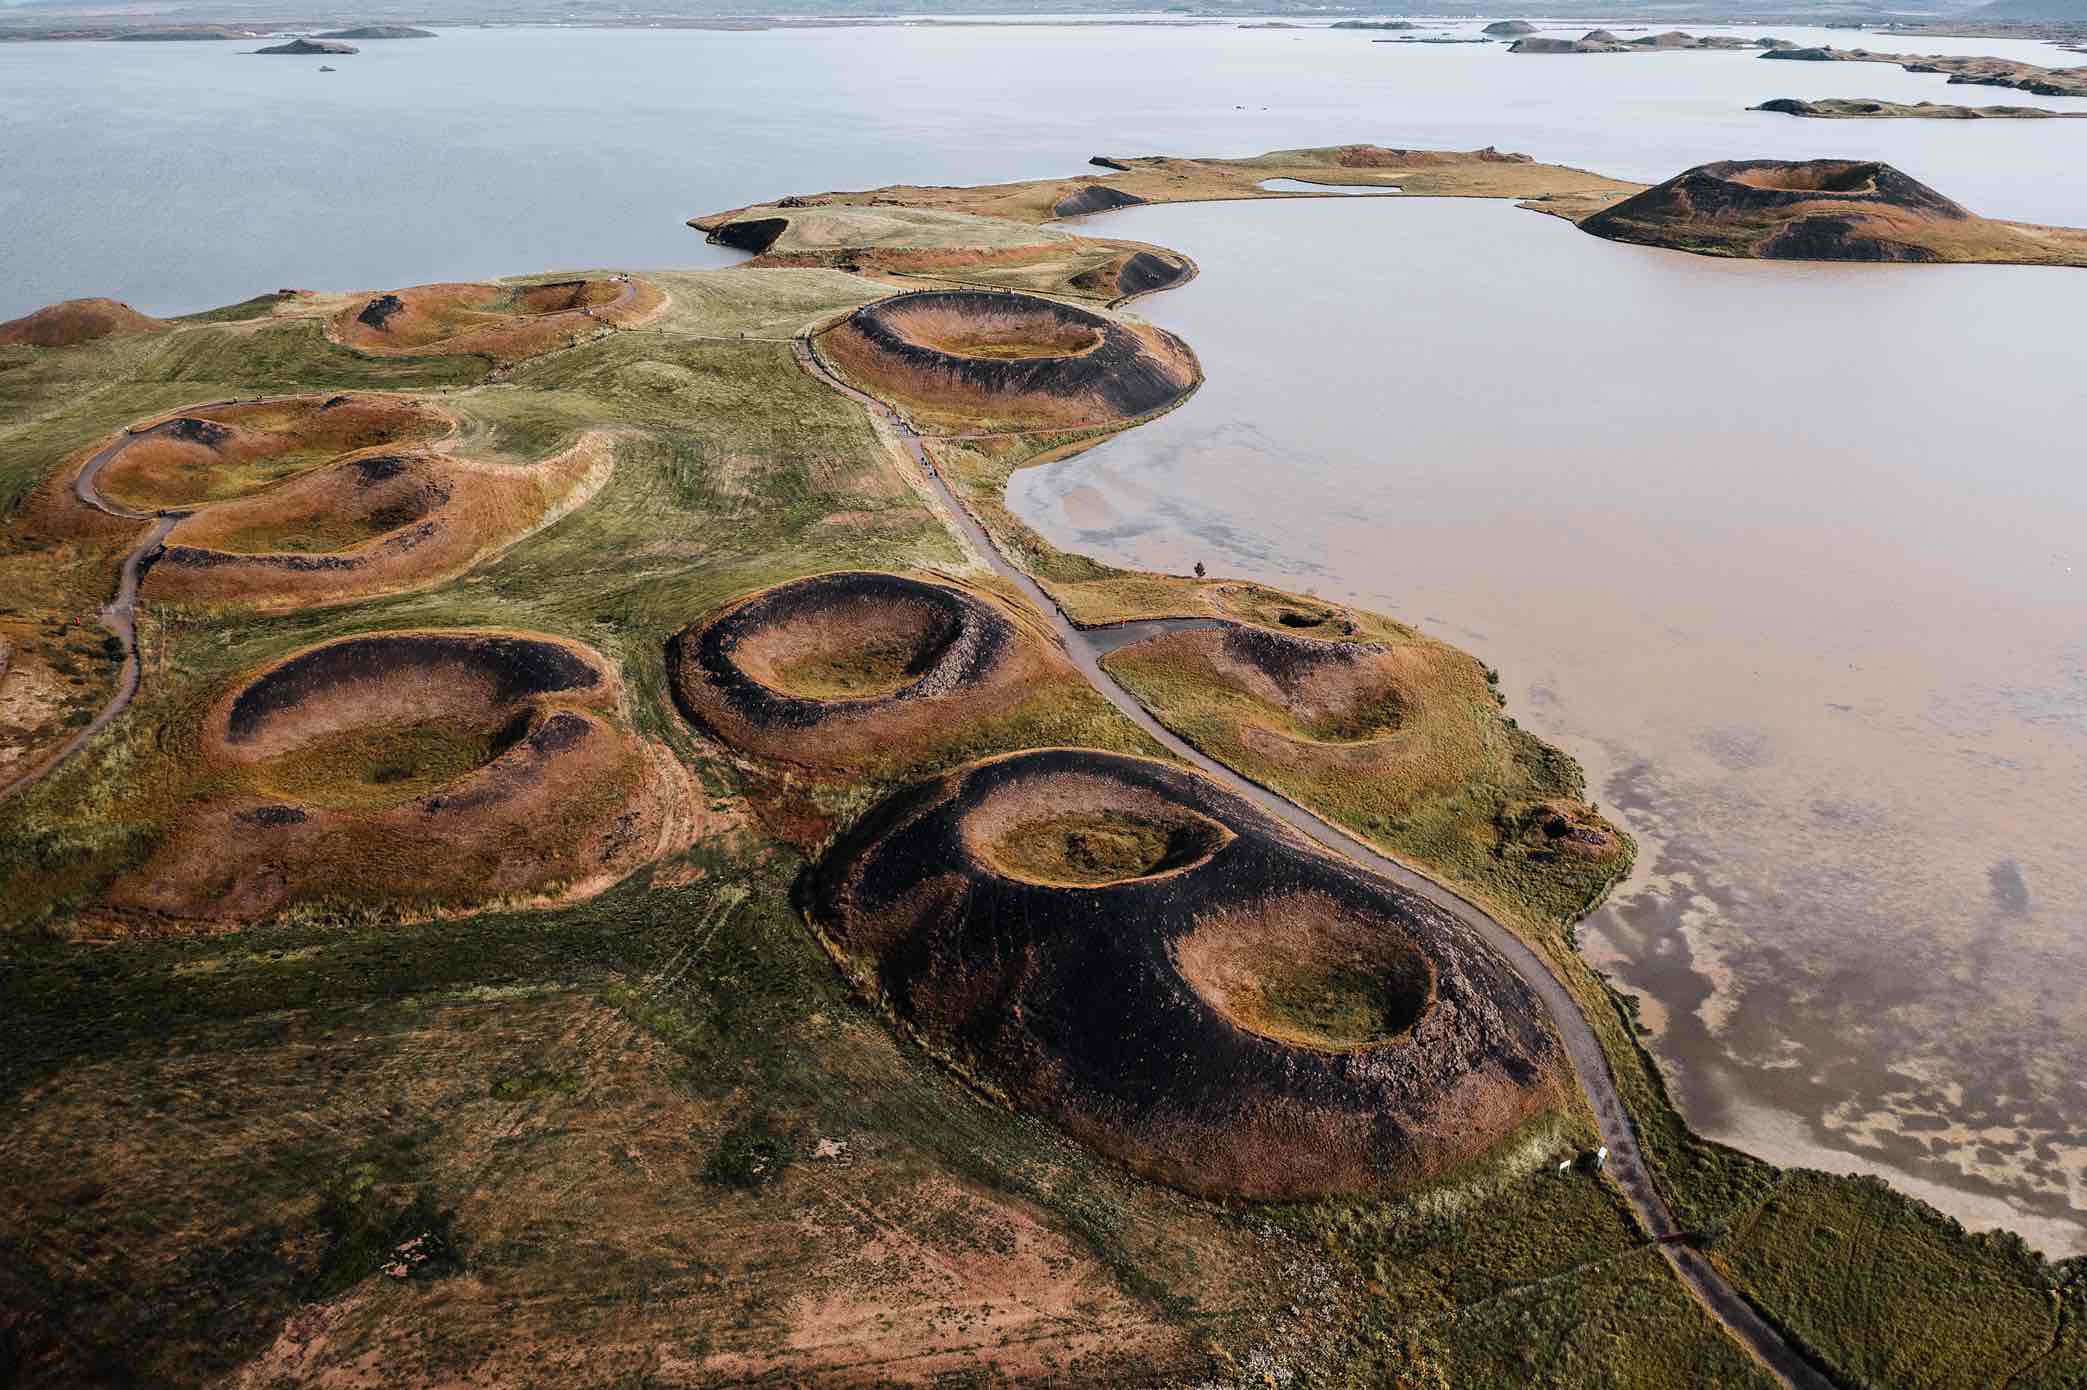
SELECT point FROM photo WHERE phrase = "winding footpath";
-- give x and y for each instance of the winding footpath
(1626, 1165)
(120, 614)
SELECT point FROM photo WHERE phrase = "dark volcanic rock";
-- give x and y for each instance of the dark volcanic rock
(751, 234)
(1146, 272)
(1096, 1006)
(378, 311)
(1095, 197)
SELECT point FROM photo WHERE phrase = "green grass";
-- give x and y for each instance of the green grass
(1087, 848)
(1892, 1293)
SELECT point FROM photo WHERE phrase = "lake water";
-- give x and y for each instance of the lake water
(182, 175)
(1788, 555)
(1793, 557)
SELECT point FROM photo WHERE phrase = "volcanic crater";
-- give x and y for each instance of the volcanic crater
(1821, 209)
(959, 360)
(446, 768)
(838, 667)
(1179, 980)
(504, 322)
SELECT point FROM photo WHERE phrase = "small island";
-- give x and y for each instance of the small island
(1961, 71)
(1509, 28)
(1863, 108)
(309, 48)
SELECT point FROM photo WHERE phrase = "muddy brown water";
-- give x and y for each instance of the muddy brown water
(1789, 556)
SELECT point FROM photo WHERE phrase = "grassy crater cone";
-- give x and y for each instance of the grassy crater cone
(953, 359)
(447, 769)
(851, 664)
(1177, 979)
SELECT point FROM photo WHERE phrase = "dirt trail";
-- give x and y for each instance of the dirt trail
(1626, 1165)
(120, 614)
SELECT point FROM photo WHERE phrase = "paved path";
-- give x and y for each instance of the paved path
(1626, 1165)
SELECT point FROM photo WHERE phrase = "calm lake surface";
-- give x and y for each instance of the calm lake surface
(177, 176)
(1790, 556)
(1794, 558)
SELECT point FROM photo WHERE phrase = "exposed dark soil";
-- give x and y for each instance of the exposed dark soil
(1245, 1016)
(1095, 197)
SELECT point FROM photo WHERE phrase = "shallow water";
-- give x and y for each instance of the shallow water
(1791, 556)
(182, 175)
(1787, 554)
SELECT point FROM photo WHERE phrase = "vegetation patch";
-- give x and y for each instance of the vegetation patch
(1087, 849)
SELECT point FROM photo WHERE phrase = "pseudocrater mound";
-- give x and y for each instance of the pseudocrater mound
(504, 322)
(217, 452)
(960, 360)
(440, 769)
(1176, 978)
(839, 667)
(330, 499)
(1821, 209)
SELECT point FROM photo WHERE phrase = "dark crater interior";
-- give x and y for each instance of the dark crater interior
(796, 655)
(489, 672)
(1170, 975)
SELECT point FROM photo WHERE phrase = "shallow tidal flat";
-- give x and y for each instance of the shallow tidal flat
(1788, 554)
